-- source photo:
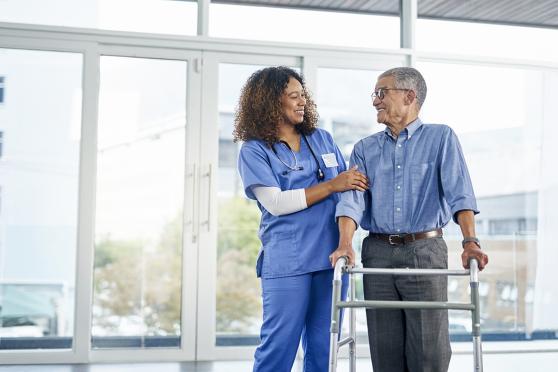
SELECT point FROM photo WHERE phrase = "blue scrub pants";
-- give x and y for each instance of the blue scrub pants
(296, 306)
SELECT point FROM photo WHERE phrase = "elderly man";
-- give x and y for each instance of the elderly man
(419, 181)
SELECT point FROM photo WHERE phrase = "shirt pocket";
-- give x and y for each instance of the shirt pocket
(420, 176)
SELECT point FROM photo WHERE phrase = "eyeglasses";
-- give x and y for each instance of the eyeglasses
(381, 92)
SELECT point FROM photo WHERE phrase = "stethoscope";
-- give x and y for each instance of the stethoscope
(296, 167)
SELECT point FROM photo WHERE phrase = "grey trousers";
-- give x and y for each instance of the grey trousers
(407, 340)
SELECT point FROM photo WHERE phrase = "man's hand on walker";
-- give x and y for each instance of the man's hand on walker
(472, 250)
(344, 250)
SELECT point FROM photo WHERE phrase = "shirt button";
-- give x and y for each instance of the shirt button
(398, 166)
(399, 145)
(398, 230)
(398, 209)
(398, 187)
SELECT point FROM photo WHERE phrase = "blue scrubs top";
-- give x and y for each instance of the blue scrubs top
(301, 242)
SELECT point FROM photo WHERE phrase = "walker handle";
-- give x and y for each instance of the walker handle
(474, 269)
(339, 265)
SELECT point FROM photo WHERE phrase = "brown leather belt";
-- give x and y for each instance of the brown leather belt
(395, 239)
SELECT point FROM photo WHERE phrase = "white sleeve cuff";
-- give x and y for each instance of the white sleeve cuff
(279, 202)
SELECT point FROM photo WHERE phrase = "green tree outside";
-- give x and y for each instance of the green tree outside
(238, 288)
(134, 278)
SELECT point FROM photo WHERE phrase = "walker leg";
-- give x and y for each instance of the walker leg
(352, 325)
(477, 353)
(333, 352)
(334, 329)
(477, 346)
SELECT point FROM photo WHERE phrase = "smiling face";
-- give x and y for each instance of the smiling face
(293, 101)
(395, 107)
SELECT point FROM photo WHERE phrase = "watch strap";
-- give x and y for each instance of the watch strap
(470, 239)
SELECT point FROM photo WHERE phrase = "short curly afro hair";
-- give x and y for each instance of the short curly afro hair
(259, 107)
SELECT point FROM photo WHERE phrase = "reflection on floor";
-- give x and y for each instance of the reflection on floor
(516, 362)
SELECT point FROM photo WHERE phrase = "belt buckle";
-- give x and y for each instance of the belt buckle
(392, 237)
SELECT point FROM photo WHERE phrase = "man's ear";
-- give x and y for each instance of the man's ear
(410, 97)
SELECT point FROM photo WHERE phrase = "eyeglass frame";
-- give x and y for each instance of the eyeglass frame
(379, 93)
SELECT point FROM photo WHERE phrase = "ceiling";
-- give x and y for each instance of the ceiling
(532, 13)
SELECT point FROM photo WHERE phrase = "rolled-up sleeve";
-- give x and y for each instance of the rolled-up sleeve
(454, 176)
(354, 203)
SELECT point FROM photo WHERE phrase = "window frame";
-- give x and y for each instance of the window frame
(94, 43)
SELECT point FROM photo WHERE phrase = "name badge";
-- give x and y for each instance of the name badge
(330, 160)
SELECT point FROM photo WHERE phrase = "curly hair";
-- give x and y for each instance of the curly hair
(259, 107)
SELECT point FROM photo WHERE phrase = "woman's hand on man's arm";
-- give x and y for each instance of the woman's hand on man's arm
(351, 179)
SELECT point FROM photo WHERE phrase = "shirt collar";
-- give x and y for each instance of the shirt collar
(412, 128)
(409, 129)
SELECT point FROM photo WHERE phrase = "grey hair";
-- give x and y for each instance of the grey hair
(408, 78)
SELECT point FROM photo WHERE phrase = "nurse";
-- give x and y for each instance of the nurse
(294, 170)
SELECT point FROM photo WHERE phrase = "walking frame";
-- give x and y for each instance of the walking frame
(341, 266)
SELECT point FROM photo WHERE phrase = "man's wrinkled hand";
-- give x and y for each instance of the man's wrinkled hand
(472, 250)
(346, 250)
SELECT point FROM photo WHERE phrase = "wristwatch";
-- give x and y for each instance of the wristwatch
(470, 239)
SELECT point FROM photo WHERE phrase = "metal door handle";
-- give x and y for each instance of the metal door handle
(190, 183)
(208, 175)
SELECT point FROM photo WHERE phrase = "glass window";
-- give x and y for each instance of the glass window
(345, 106)
(505, 120)
(486, 39)
(140, 194)
(303, 26)
(152, 16)
(39, 174)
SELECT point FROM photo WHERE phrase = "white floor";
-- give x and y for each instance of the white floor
(500, 362)
(529, 356)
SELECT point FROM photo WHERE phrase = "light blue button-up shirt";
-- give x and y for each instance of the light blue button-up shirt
(418, 180)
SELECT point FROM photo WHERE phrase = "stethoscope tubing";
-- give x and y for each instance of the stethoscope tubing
(296, 167)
